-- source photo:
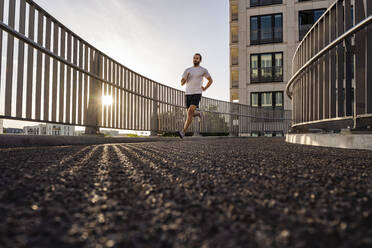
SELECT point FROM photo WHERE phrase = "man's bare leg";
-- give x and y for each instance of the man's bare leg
(190, 115)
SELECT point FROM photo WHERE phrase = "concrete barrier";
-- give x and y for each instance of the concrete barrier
(348, 141)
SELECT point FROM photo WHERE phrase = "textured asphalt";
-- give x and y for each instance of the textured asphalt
(252, 192)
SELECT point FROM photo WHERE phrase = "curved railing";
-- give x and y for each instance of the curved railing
(52, 75)
(331, 86)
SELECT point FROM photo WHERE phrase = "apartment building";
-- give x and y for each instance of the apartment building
(50, 129)
(264, 35)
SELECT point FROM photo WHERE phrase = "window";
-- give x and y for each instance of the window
(279, 99)
(254, 99)
(234, 12)
(234, 78)
(266, 29)
(306, 19)
(234, 35)
(255, 3)
(234, 56)
(267, 99)
(267, 67)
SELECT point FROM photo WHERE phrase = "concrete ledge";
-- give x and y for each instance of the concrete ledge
(11, 141)
(348, 141)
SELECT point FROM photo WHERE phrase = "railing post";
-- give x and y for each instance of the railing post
(154, 117)
(94, 110)
(362, 74)
(348, 61)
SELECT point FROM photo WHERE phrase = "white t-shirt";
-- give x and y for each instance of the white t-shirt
(194, 79)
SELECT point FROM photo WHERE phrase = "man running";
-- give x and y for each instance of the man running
(193, 78)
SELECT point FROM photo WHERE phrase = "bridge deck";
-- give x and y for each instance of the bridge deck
(205, 193)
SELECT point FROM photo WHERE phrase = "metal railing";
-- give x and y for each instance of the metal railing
(52, 75)
(326, 91)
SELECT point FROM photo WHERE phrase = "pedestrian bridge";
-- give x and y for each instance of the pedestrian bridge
(198, 192)
(54, 76)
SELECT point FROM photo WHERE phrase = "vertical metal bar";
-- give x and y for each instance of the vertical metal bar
(360, 59)
(310, 78)
(125, 97)
(112, 106)
(68, 80)
(74, 79)
(21, 55)
(368, 63)
(122, 93)
(321, 64)
(138, 111)
(326, 84)
(80, 98)
(348, 61)
(132, 99)
(105, 77)
(39, 65)
(114, 112)
(340, 60)
(117, 83)
(1, 34)
(316, 75)
(109, 92)
(55, 72)
(142, 105)
(30, 63)
(332, 89)
(9, 65)
(86, 68)
(62, 77)
(47, 69)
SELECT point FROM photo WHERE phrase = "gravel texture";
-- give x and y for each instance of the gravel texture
(248, 192)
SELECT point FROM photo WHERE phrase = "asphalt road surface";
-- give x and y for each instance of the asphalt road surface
(252, 192)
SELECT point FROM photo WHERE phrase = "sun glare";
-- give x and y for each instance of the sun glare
(106, 100)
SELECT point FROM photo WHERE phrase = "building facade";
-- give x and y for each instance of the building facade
(264, 35)
(50, 129)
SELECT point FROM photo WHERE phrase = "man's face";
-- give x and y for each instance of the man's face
(196, 60)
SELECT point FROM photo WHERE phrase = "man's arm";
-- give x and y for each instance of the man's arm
(184, 80)
(210, 81)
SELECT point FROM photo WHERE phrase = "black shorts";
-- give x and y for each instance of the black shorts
(193, 100)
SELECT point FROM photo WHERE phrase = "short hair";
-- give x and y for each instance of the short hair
(199, 55)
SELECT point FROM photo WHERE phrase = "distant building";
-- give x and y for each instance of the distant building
(13, 130)
(110, 132)
(1, 126)
(50, 129)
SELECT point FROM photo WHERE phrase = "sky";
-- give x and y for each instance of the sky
(156, 38)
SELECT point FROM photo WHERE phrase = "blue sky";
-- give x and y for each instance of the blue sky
(156, 38)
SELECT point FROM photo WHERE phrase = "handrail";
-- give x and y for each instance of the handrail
(331, 81)
(347, 34)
